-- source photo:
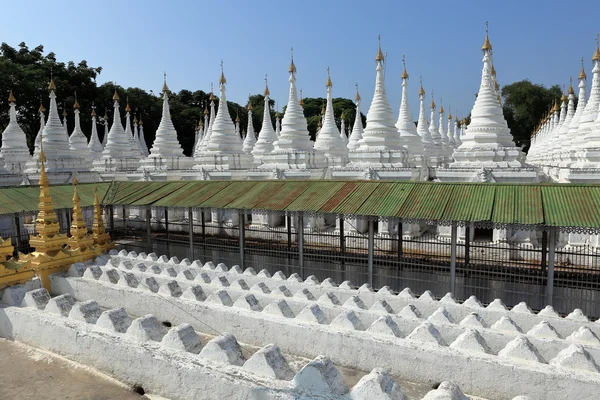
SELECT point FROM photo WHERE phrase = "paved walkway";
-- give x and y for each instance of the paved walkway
(28, 373)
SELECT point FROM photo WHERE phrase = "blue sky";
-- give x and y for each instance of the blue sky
(135, 41)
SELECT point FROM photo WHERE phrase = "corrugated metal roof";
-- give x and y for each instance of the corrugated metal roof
(549, 204)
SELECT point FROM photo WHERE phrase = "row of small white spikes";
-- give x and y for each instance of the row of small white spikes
(521, 315)
(468, 339)
(267, 361)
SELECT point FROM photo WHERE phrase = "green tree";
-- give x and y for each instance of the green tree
(524, 105)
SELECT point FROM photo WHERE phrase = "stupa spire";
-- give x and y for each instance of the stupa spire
(357, 128)
(77, 140)
(574, 125)
(405, 124)
(586, 122)
(449, 133)
(267, 135)
(443, 134)
(166, 144)
(433, 129)
(117, 142)
(208, 125)
(38, 138)
(135, 149)
(329, 140)
(142, 137)
(422, 125)
(106, 128)
(79, 234)
(54, 137)
(250, 139)
(293, 134)
(95, 146)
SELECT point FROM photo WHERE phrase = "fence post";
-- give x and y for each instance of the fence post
(453, 240)
(467, 244)
(341, 278)
(148, 227)
(544, 261)
(17, 234)
(400, 239)
(551, 260)
(167, 222)
(371, 245)
(111, 222)
(191, 229)
(124, 221)
(242, 232)
(300, 229)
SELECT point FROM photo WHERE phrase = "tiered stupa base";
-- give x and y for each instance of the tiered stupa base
(487, 174)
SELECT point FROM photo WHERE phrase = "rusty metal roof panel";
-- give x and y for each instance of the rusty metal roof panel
(206, 191)
(158, 193)
(279, 200)
(185, 190)
(470, 203)
(257, 193)
(315, 196)
(222, 198)
(387, 199)
(504, 205)
(571, 206)
(338, 197)
(356, 198)
(528, 202)
(426, 202)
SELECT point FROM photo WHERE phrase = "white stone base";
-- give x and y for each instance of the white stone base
(379, 159)
(480, 174)
(223, 162)
(379, 173)
(294, 160)
(162, 164)
(109, 164)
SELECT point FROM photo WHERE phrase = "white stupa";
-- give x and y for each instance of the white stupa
(78, 141)
(198, 137)
(201, 148)
(357, 128)
(406, 125)
(450, 134)
(430, 149)
(380, 146)
(37, 144)
(14, 151)
(267, 136)
(343, 134)
(117, 156)
(61, 161)
(250, 139)
(568, 152)
(106, 128)
(94, 145)
(293, 153)
(166, 153)
(444, 140)
(457, 133)
(142, 139)
(129, 132)
(224, 151)
(329, 141)
(487, 152)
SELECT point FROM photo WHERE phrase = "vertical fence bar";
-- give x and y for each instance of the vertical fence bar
(111, 222)
(288, 222)
(371, 248)
(300, 230)
(551, 259)
(203, 221)
(242, 237)
(148, 228)
(124, 221)
(467, 244)
(167, 222)
(453, 240)
(191, 229)
(400, 239)
(544, 261)
(17, 222)
(342, 273)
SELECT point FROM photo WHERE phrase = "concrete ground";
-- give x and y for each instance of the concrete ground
(29, 373)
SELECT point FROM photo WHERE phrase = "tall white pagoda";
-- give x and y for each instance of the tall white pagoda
(406, 125)
(77, 140)
(267, 135)
(14, 153)
(357, 129)
(487, 152)
(95, 146)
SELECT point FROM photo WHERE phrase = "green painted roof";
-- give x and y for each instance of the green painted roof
(561, 205)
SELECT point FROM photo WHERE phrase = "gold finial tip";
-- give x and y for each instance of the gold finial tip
(379, 56)
(127, 108)
(222, 79)
(596, 56)
(52, 85)
(487, 45)
(292, 69)
(116, 96)
(328, 83)
(76, 105)
(42, 108)
(441, 109)
(93, 112)
(212, 96)
(64, 113)
(11, 97)
(357, 97)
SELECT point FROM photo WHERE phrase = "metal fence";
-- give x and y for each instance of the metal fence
(437, 258)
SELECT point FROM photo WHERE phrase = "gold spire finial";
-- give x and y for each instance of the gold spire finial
(571, 91)
(249, 104)
(42, 109)
(116, 95)
(52, 85)
(441, 105)
(165, 88)
(76, 103)
(222, 79)
(421, 90)
(328, 83)
(292, 69)
(135, 120)
(357, 97)
(11, 97)
(266, 92)
(205, 110)
(127, 107)
(212, 95)
(596, 56)
(404, 72)
(487, 45)
(582, 74)
(564, 97)
(432, 106)
(301, 102)
(64, 113)
(237, 118)
(379, 56)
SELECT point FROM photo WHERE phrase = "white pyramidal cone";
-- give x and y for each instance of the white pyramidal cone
(381, 132)
(166, 144)
(142, 138)
(198, 136)
(208, 124)
(106, 129)
(267, 135)
(117, 143)
(445, 142)
(78, 140)
(406, 125)
(357, 128)
(329, 141)
(451, 143)
(94, 145)
(14, 151)
(423, 125)
(343, 128)
(590, 112)
(571, 137)
(293, 135)
(133, 146)
(250, 139)
(433, 128)
(487, 142)
(54, 139)
(38, 138)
